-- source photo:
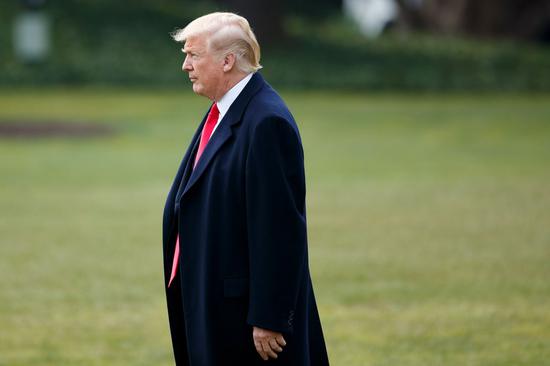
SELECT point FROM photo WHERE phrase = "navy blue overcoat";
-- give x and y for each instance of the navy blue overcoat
(241, 219)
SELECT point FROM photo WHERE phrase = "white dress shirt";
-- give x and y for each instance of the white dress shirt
(228, 98)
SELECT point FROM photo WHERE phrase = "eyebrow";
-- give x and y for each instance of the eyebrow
(190, 50)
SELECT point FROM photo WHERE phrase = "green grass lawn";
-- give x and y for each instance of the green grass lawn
(429, 227)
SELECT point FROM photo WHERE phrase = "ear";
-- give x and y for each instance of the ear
(228, 62)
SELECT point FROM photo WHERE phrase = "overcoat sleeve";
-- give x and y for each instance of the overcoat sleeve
(276, 223)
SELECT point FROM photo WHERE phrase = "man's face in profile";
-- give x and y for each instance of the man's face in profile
(204, 67)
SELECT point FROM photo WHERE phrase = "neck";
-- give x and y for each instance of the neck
(231, 80)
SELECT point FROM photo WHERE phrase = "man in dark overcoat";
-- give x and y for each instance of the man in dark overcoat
(236, 268)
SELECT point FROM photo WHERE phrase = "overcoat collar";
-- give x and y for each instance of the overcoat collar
(224, 130)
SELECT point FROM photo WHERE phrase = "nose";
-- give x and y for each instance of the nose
(187, 64)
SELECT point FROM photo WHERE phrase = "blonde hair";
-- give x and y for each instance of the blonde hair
(226, 33)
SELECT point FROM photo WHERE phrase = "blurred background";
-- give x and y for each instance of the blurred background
(426, 130)
(344, 44)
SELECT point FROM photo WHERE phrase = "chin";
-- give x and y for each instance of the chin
(197, 89)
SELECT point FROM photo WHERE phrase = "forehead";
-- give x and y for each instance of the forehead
(195, 43)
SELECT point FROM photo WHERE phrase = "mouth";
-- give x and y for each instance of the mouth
(192, 79)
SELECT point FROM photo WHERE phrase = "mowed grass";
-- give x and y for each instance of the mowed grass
(429, 227)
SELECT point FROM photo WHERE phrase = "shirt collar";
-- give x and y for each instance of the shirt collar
(225, 102)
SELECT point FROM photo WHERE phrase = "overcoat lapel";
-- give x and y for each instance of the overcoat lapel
(188, 169)
(222, 134)
(224, 130)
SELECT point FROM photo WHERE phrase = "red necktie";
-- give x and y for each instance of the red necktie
(207, 130)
